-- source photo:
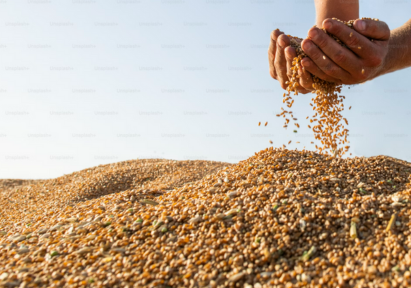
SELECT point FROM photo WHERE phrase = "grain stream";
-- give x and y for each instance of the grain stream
(328, 123)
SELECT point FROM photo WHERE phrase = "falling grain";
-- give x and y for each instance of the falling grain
(327, 103)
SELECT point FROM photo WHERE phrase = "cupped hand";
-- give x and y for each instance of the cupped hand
(357, 61)
(280, 58)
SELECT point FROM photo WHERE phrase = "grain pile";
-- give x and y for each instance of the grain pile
(327, 104)
(11, 184)
(281, 217)
(24, 205)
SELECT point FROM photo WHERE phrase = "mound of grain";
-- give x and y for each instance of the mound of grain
(24, 202)
(6, 185)
(280, 218)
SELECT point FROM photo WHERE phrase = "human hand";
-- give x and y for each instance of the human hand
(359, 60)
(280, 58)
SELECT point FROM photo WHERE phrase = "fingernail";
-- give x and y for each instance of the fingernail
(288, 53)
(328, 25)
(305, 63)
(281, 42)
(307, 45)
(313, 33)
(361, 25)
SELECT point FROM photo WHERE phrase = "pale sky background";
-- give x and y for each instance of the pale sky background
(89, 82)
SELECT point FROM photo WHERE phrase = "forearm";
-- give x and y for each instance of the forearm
(399, 50)
(343, 10)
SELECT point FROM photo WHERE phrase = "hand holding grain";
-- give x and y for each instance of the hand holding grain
(280, 58)
(358, 60)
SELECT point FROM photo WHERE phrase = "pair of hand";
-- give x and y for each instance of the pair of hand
(359, 60)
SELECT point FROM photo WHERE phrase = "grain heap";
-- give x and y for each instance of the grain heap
(11, 184)
(22, 206)
(327, 104)
(281, 217)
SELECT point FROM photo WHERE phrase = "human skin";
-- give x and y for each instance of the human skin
(357, 61)
(399, 51)
(281, 54)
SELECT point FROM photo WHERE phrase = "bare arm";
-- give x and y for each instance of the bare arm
(389, 52)
(399, 48)
(360, 59)
(342, 9)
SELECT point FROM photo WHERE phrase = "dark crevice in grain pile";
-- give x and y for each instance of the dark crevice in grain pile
(327, 104)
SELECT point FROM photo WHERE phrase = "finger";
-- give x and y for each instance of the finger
(290, 54)
(323, 62)
(378, 30)
(271, 52)
(353, 40)
(306, 80)
(341, 56)
(275, 34)
(310, 66)
(280, 62)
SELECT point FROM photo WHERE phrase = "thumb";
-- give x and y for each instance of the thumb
(377, 30)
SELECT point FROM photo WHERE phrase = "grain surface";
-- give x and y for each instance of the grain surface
(281, 218)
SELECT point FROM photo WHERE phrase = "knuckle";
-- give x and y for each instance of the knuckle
(340, 57)
(271, 53)
(289, 73)
(333, 73)
(316, 54)
(329, 69)
(322, 40)
(353, 42)
(375, 61)
(277, 64)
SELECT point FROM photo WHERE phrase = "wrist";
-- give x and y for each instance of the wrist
(383, 68)
(388, 63)
(397, 56)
